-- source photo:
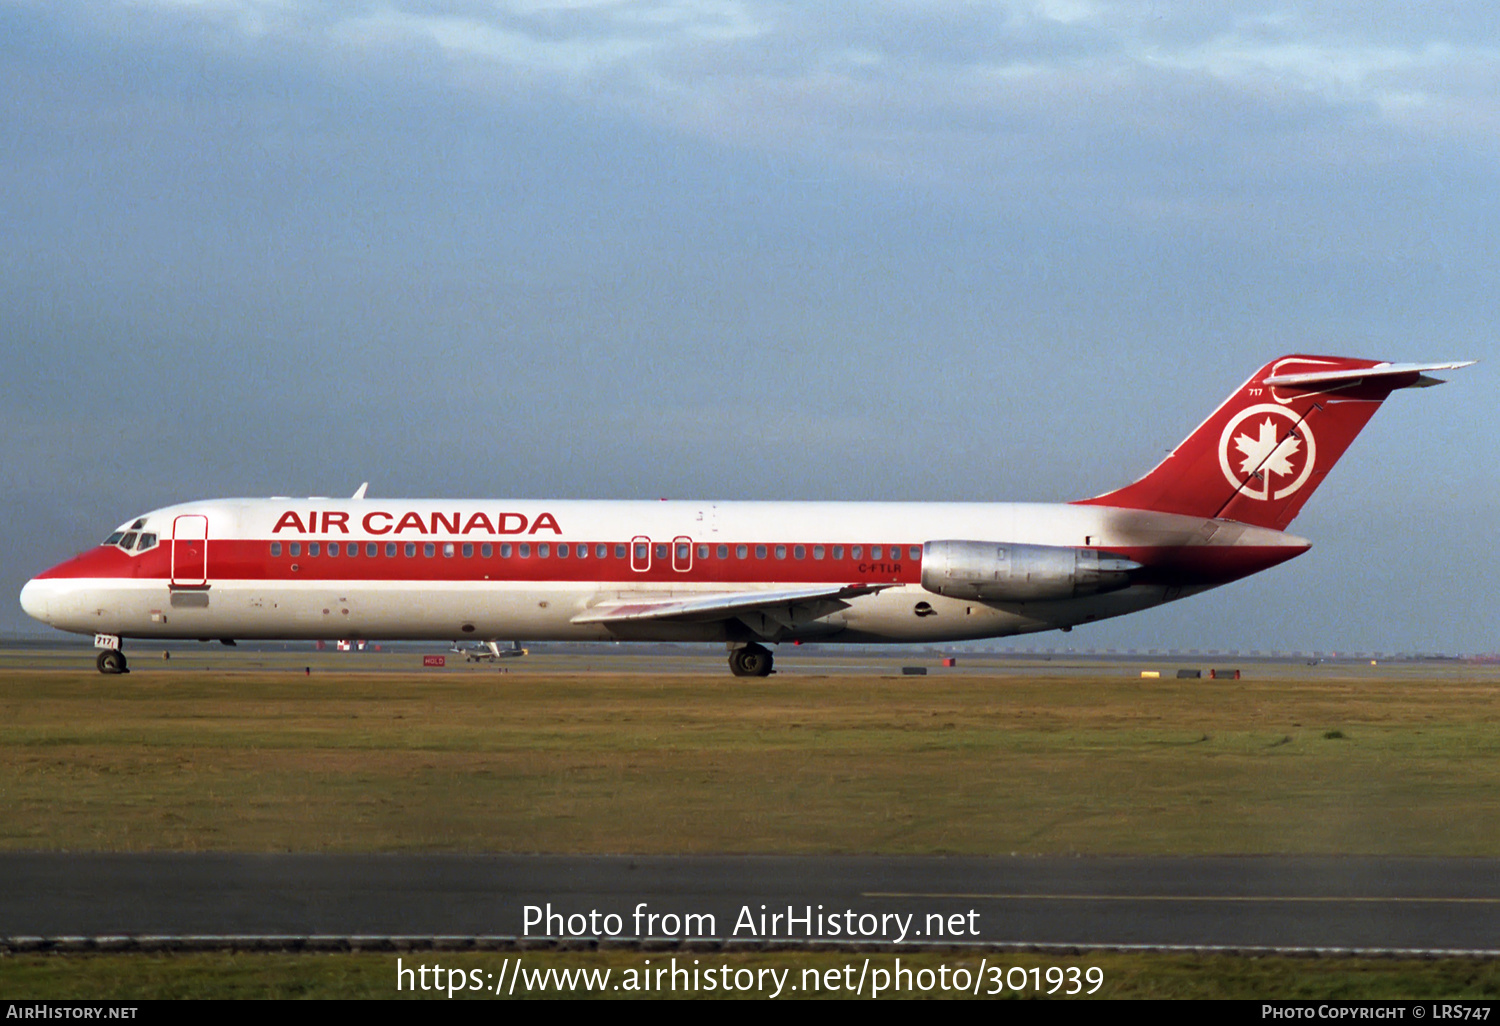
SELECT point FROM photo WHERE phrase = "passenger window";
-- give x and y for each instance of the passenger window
(702, 551)
(411, 549)
(781, 552)
(295, 549)
(486, 550)
(760, 552)
(799, 552)
(429, 550)
(640, 552)
(333, 548)
(468, 551)
(543, 550)
(682, 553)
(372, 550)
(583, 551)
(562, 551)
(128, 542)
(661, 551)
(723, 552)
(619, 551)
(741, 551)
(505, 550)
(352, 549)
(817, 552)
(858, 552)
(915, 552)
(524, 550)
(875, 551)
(838, 552)
(390, 550)
(312, 548)
(448, 550)
(275, 549)
(601, 551)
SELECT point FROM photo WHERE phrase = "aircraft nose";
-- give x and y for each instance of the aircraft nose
(34, 600)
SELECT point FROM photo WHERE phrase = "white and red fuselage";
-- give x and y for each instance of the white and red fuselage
(440, 570)
(744, 573)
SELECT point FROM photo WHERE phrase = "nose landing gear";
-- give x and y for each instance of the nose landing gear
(751, 661)
(112, 660)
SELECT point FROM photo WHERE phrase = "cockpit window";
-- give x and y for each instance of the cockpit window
(114, 539)
(138, 524)
(147, 541)
(128, 542)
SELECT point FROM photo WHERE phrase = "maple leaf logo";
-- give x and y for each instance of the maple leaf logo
(1250, 452)
(1265, 452)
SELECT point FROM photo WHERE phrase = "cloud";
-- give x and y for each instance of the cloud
(902, 88)
(572, 42)
(1135, 113)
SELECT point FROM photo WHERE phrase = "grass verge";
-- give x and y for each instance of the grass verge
(540, 760)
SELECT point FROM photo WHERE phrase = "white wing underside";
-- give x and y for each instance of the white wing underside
(785, 608)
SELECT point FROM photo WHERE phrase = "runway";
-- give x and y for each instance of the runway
(1238, 903)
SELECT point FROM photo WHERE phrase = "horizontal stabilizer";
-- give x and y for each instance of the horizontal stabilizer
(722, 606)
(1385, 372)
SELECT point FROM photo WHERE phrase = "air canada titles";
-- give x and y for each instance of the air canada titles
(383, 522)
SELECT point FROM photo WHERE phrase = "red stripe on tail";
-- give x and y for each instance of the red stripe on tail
(1264, 451)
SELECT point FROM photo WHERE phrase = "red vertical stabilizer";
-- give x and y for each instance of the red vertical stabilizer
(1263, 452)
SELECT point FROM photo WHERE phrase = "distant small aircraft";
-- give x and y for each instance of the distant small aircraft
(747, 574)
(488, 651)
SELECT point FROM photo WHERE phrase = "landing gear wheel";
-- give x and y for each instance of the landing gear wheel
(750, 661)
(112, 661)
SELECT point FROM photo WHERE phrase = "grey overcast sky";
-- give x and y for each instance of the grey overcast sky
(734, 249)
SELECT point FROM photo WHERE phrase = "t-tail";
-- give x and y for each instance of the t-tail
(1263, 452)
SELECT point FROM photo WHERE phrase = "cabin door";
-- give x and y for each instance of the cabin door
(190, 551)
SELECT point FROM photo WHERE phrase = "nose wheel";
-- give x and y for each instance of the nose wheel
(750, 661)
(112, 661)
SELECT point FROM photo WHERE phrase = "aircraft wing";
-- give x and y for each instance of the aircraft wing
(776, 606)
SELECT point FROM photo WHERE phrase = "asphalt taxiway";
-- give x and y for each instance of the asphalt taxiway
(1238, 903)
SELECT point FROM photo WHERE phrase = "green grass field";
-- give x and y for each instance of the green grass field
(546, 760)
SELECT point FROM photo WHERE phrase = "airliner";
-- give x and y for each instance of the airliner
(745, 574)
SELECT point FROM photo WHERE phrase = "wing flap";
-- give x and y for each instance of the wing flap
(721, 606)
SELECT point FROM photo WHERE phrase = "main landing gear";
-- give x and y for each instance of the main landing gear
(112, 660)
(750, 661)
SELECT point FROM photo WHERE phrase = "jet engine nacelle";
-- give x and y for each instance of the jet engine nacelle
(1003, 572)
